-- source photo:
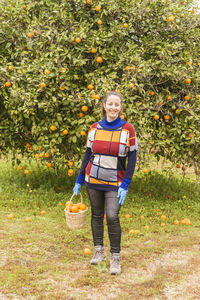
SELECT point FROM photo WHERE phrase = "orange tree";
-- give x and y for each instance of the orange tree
(59, 58)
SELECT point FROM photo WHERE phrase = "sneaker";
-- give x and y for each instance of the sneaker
(115, 263)
(99, 255)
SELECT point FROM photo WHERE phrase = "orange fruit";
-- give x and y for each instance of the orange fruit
(163, 217)
(31, 148)
(54, 150)
(37, 155)
(26, 172)
(59, 203)
(99, 59)
(10, 217)
(187, 80)
(169, 98)
(90, 87)
(131, 85)
(118, 91)
(125, 25)
(20, 168)
(188, 62)
(122, 117)
(82, 133)
(47, 72)
(29, 34)
(43, 84)
(7, 84)
(46, 155)
(183, 168)
(49, 165)
(78, 40)
(98, 8)
(191, 135)
(81, 115)
(170, 19)
(178, 166)
(70, 172)
(151, 93)
(70, 163)
(127, 216)
(84, 108)
(128, 68)
(52, 128)
(176, 222)
(141, 217)
(99, 22)
(187, 97)
(93, 50)
(145, 170)
(67, 204)
(93, 96)
(27, 219)
(98, 97)
(43, 212)
(65, 132)
(177, 111)
(74, 208)
(28, 145)
(62, 88)
(146, 227)
(82, 206)
(160, 103)
(156, 117)
(87, 251)
(187, 222)
(10, 68)
(88, 1)
(167, 117)
(78, 204)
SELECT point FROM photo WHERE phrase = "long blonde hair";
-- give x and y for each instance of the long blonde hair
(103, 112)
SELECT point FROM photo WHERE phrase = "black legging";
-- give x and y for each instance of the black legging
(99, 200)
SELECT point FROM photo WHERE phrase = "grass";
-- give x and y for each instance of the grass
(43, 259)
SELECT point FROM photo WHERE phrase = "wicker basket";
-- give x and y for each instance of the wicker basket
(76, 220)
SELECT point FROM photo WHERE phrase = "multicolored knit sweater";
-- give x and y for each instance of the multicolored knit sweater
(104, 163)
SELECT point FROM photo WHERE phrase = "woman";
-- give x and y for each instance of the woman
(106, 176)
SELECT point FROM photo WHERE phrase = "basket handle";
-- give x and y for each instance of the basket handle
(73, 197)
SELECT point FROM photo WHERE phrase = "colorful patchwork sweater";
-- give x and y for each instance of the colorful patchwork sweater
(104, 163)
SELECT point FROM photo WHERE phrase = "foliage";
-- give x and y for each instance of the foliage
(50, 69)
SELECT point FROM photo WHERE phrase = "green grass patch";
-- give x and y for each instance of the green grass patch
(44, 259)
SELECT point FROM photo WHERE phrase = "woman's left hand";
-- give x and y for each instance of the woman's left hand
(122, 195)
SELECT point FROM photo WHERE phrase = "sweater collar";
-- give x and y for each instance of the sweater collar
(113, 124)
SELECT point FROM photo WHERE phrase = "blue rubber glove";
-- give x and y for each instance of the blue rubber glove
(121, 195)
(77, 188)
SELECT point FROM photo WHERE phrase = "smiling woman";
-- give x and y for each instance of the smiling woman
(111, 106)
(106, 176)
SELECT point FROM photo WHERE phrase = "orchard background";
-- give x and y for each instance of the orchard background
(59, 58)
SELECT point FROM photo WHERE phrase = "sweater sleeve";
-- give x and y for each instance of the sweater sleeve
(81, 176)
(132, 158)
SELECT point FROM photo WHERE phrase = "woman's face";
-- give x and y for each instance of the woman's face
(112, 107)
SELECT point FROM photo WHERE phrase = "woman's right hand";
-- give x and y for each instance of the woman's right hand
(77, 189)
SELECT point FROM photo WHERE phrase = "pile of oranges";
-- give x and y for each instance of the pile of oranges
(75, 207)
